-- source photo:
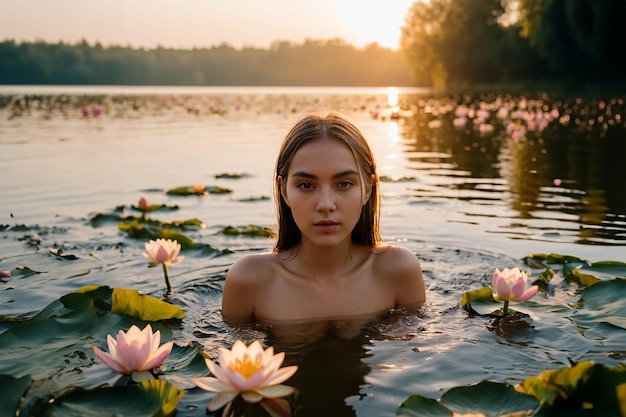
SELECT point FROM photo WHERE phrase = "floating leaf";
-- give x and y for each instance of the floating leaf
(604, 302)
(141, 231)
(486, 398)
(250, 230)
(147, 308)
(584, 385)
(540, 259)
(418, 406)
(489, 398)
(156, 207)
(480, 302)
(59, 254)
(147, 398)
(11, 391)
(232, 175)
(188, 190)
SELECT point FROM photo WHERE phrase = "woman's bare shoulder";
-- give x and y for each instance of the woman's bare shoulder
(244, 279)
(395, 259)
(401, 267)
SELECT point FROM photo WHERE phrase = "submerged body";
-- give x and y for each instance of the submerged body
(329, 262)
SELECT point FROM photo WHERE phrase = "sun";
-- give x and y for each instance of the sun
(374, 21)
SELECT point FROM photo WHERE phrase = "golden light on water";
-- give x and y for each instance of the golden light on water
(392, 96)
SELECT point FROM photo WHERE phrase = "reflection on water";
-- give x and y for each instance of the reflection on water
(536, 162)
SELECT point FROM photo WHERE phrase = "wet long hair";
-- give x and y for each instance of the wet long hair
(330, 124)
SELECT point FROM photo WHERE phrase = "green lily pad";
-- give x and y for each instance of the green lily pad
(604, 302)
(188, 190)
(489, 398)
(232, 175)
(486, 398)
(480, 302)
(148, 398)
(156, 207)
(418, 406)
(142, 231)
(147, 308)
(250, 230)
(585, 385)
(11, 393)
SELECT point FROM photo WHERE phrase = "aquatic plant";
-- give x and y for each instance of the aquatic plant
(164, 252)
(251, 372)
(135, 352)
(511, 284)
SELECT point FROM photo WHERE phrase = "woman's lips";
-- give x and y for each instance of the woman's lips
(326, 225)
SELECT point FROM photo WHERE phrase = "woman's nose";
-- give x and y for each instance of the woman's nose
(325, 201)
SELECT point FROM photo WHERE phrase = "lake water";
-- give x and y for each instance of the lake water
(465, 195)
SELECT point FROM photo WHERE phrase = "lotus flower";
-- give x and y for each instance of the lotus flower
(198, 188)
(165, 252)
(250, 371)
(143, 204)
(135, 352)
(511, 284)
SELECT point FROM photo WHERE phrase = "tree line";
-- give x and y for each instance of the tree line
(571, 43)
(311, 63)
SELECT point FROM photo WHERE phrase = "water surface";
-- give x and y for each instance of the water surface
(464, 201)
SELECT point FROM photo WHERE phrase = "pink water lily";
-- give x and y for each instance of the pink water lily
(251, 372)
(135, 352)
(165, 252)
(143, 204)
(511, 285)
(198, 188)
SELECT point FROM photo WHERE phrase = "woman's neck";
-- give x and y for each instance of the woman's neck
(328, 262)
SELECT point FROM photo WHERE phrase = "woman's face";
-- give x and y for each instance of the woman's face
(325, 191)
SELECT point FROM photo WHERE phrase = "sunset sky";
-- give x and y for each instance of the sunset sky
(202, 23)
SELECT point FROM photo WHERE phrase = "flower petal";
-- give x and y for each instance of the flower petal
(139, 376)
(276, 407)
(528, 294)
(220, 400)
(109, 361)
(281, 375)
(251, 396)
(276, 391)
(157, 358)
(208, 383)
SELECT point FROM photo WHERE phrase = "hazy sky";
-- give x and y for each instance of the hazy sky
(202, 23)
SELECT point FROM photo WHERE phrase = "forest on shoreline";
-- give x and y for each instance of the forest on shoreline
(311, 63)
(446, 44)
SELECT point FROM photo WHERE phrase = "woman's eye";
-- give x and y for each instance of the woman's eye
(345, 184)
(305, 185)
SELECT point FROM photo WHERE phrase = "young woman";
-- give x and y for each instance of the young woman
(329, 261)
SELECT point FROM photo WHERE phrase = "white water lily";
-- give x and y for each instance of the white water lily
(135, 352)
(165, 252)
(251, 372)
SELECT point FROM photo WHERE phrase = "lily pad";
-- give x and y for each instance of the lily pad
(130, 302)
(584, 385)
(156, 207)
(480, 302)
(12, 391)
(148, 398)
(250, 230)
(232, 175)
(604, 302)
(486, 398)
(142, 231)
(189, 190)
